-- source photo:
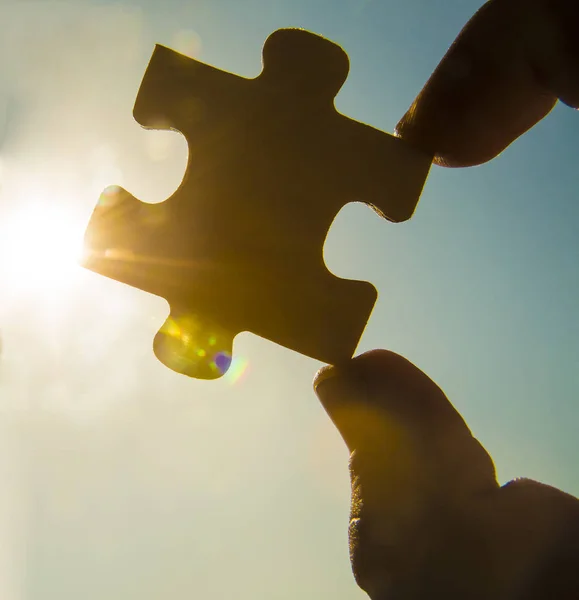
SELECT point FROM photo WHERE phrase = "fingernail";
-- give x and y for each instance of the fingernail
(335, 396)
(324, 374)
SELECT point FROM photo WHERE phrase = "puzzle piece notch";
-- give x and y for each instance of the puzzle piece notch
(239, 246)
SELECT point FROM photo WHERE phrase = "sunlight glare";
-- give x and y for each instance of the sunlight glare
(40, 245)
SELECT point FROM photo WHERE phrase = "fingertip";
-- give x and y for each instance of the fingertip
(485, 93)
(373, 364)
(324, 374)
(354, 397)
(364, 396)
(374, 367)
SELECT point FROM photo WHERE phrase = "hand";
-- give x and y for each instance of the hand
(502, 75)
(428, 518)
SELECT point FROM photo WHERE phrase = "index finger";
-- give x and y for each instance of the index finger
(502, 75)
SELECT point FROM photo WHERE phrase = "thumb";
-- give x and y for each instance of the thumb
(388, 412)
(413, 461)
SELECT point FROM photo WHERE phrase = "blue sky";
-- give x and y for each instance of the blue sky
(123, 479)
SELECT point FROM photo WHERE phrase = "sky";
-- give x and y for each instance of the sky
(122, 479)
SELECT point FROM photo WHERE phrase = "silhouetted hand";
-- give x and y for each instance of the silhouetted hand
(503, 74)
(428, 519)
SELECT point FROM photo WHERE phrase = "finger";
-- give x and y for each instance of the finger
(381, 403)
(502, 75)
(412, 458)
(537, 529)
(555, 54)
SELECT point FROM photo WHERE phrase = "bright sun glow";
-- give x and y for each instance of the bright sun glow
(40, 247)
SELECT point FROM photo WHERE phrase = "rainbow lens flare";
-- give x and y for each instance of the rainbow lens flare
(237, 370)
(198, 348)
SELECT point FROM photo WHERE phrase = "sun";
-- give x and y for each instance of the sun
(40, 247)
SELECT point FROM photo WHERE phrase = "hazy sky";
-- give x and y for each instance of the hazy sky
(123, 480)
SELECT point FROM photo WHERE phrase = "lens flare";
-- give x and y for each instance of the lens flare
(222, 361)
(198, 348)
(187, 42)
(109, 196)
(237, 370)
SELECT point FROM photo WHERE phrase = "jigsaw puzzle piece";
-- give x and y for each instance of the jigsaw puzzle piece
(125, 239)
(385, 173)
(239, 246)
(214, 299)
(368, 165)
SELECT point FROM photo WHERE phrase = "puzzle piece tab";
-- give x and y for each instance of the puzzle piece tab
(239, 246)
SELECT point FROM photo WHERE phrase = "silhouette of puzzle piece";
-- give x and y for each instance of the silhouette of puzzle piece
(239, 246)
